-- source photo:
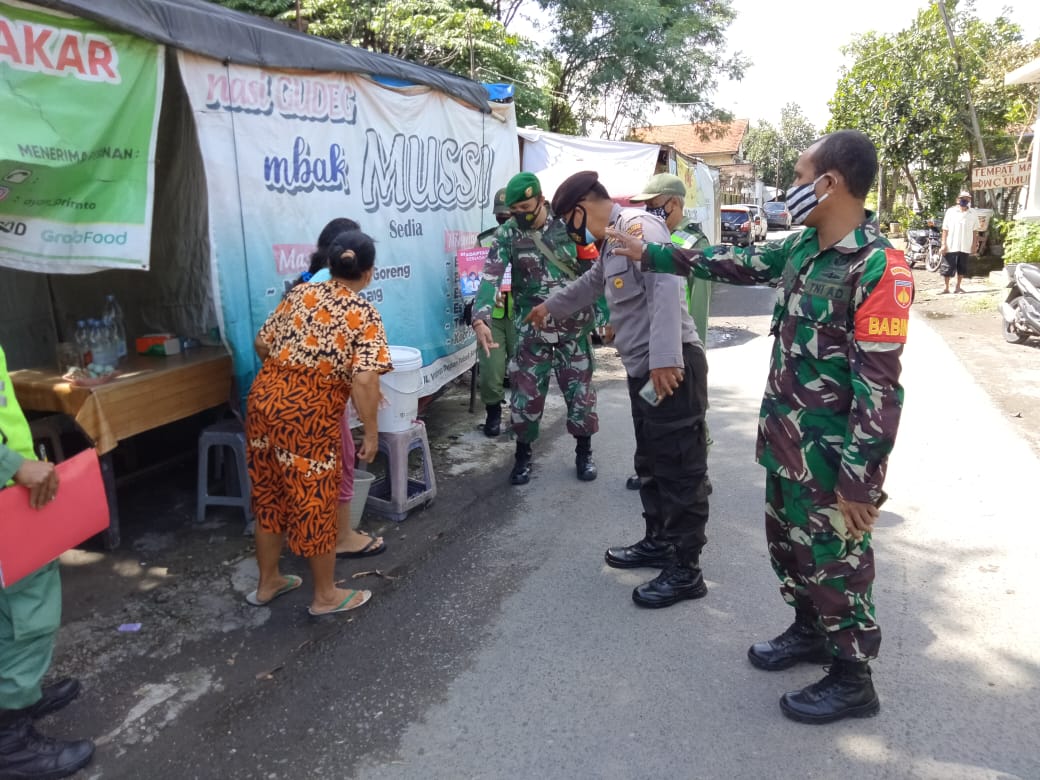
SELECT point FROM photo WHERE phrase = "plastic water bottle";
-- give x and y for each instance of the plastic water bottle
(102, 346)
(82, 339)
(113, 317)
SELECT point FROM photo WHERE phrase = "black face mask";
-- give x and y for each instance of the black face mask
(526, 219)
(964, 202)
(576, 231)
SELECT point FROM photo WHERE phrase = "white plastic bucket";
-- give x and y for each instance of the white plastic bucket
(362, 482)
(401, 390)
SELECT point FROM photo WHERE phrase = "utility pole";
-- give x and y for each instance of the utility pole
(967, 90)
(299, 20)
(779, 149)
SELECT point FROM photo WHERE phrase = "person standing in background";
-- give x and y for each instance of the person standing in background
(494, 363)
(960, 240)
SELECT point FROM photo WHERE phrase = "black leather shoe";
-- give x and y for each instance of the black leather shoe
(585, 467)
(634, 482)
(644, 553)
(671, 586)
(845, 692)
(55, 697)
(521, 473)
(493, 421)
(28, 755)
(800, 643)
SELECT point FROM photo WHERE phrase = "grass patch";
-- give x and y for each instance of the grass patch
(983, 303)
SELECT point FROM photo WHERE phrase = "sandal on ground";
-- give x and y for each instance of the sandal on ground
(374, 547)
(292, 582)
(343, 605)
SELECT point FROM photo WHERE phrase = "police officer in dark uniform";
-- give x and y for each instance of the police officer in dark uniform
(667, 382)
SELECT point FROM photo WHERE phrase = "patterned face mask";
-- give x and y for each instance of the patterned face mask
(801, 200)
(578, 232)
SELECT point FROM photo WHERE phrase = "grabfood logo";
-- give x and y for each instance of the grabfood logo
(83, 237)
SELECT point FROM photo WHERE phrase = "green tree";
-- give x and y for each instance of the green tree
(774, 151)
(616, 60)
(906, 91)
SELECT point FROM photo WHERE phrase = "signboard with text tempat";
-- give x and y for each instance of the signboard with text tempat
(79, 107)
(992, 177)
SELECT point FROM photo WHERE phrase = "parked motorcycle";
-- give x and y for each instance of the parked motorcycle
(923, 244)
(1021, 309)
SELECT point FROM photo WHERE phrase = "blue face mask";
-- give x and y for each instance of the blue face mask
(589, 238)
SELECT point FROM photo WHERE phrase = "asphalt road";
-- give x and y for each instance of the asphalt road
(511, 651)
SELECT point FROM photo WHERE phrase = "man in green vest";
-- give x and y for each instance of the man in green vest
(503, 332)
(30, 612)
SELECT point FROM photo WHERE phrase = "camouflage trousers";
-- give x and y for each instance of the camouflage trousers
(571, 360)
(823, 571)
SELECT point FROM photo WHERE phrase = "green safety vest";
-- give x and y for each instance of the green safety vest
(14, 428)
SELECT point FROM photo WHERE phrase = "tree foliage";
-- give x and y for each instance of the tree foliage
(616, 60)
(774, 151)
(909, 92)
(606, 62)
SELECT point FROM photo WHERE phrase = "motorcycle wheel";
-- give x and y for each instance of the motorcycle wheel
(1011, 335)
(933, 259)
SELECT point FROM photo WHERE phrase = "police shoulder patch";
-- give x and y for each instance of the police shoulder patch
(885, 314)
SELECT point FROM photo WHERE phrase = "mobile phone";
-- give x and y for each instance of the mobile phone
(649, 394)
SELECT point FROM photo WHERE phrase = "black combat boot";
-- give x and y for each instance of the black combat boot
(28, 755)
(584, 465)
(677, 582)
(521, 473)
(845, 692)
(634, 482)
(646, 552)
(493, 422)
(802, 642)
(54, 697)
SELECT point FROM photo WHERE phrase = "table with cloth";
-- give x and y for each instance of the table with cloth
(148, 392)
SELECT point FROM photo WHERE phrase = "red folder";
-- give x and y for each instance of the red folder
(31, 538)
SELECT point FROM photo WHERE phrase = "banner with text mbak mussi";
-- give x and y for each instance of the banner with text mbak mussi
(285, 152)
(79, 105)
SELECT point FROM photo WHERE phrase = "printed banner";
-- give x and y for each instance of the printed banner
(80, 107)
(285, 152)
(471, 265)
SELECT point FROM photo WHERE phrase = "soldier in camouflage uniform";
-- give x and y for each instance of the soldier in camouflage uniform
(542, 258)
(829, 416)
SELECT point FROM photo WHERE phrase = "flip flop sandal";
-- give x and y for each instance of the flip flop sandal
(366, 595)
(293, 582)
(374, 547)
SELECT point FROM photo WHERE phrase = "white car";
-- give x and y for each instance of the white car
(759, 220)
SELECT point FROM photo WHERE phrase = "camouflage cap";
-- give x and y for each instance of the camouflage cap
(661, 184)
(523, 186)
(501, 207)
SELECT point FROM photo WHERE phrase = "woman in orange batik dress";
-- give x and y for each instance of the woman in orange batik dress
(324, 344)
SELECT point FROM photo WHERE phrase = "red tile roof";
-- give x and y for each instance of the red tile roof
(687, 137)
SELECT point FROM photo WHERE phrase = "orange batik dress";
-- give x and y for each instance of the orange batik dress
(319, 336)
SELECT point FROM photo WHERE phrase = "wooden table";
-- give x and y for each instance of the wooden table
(148, 392)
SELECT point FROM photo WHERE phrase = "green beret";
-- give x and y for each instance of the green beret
(501, 207)
(523, 186)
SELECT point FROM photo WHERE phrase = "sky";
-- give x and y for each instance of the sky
(796, 53)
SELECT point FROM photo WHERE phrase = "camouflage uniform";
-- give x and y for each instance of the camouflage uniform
(830, 411)
(561, 347)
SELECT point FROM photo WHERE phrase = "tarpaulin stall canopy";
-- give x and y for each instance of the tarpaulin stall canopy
(196, 152)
